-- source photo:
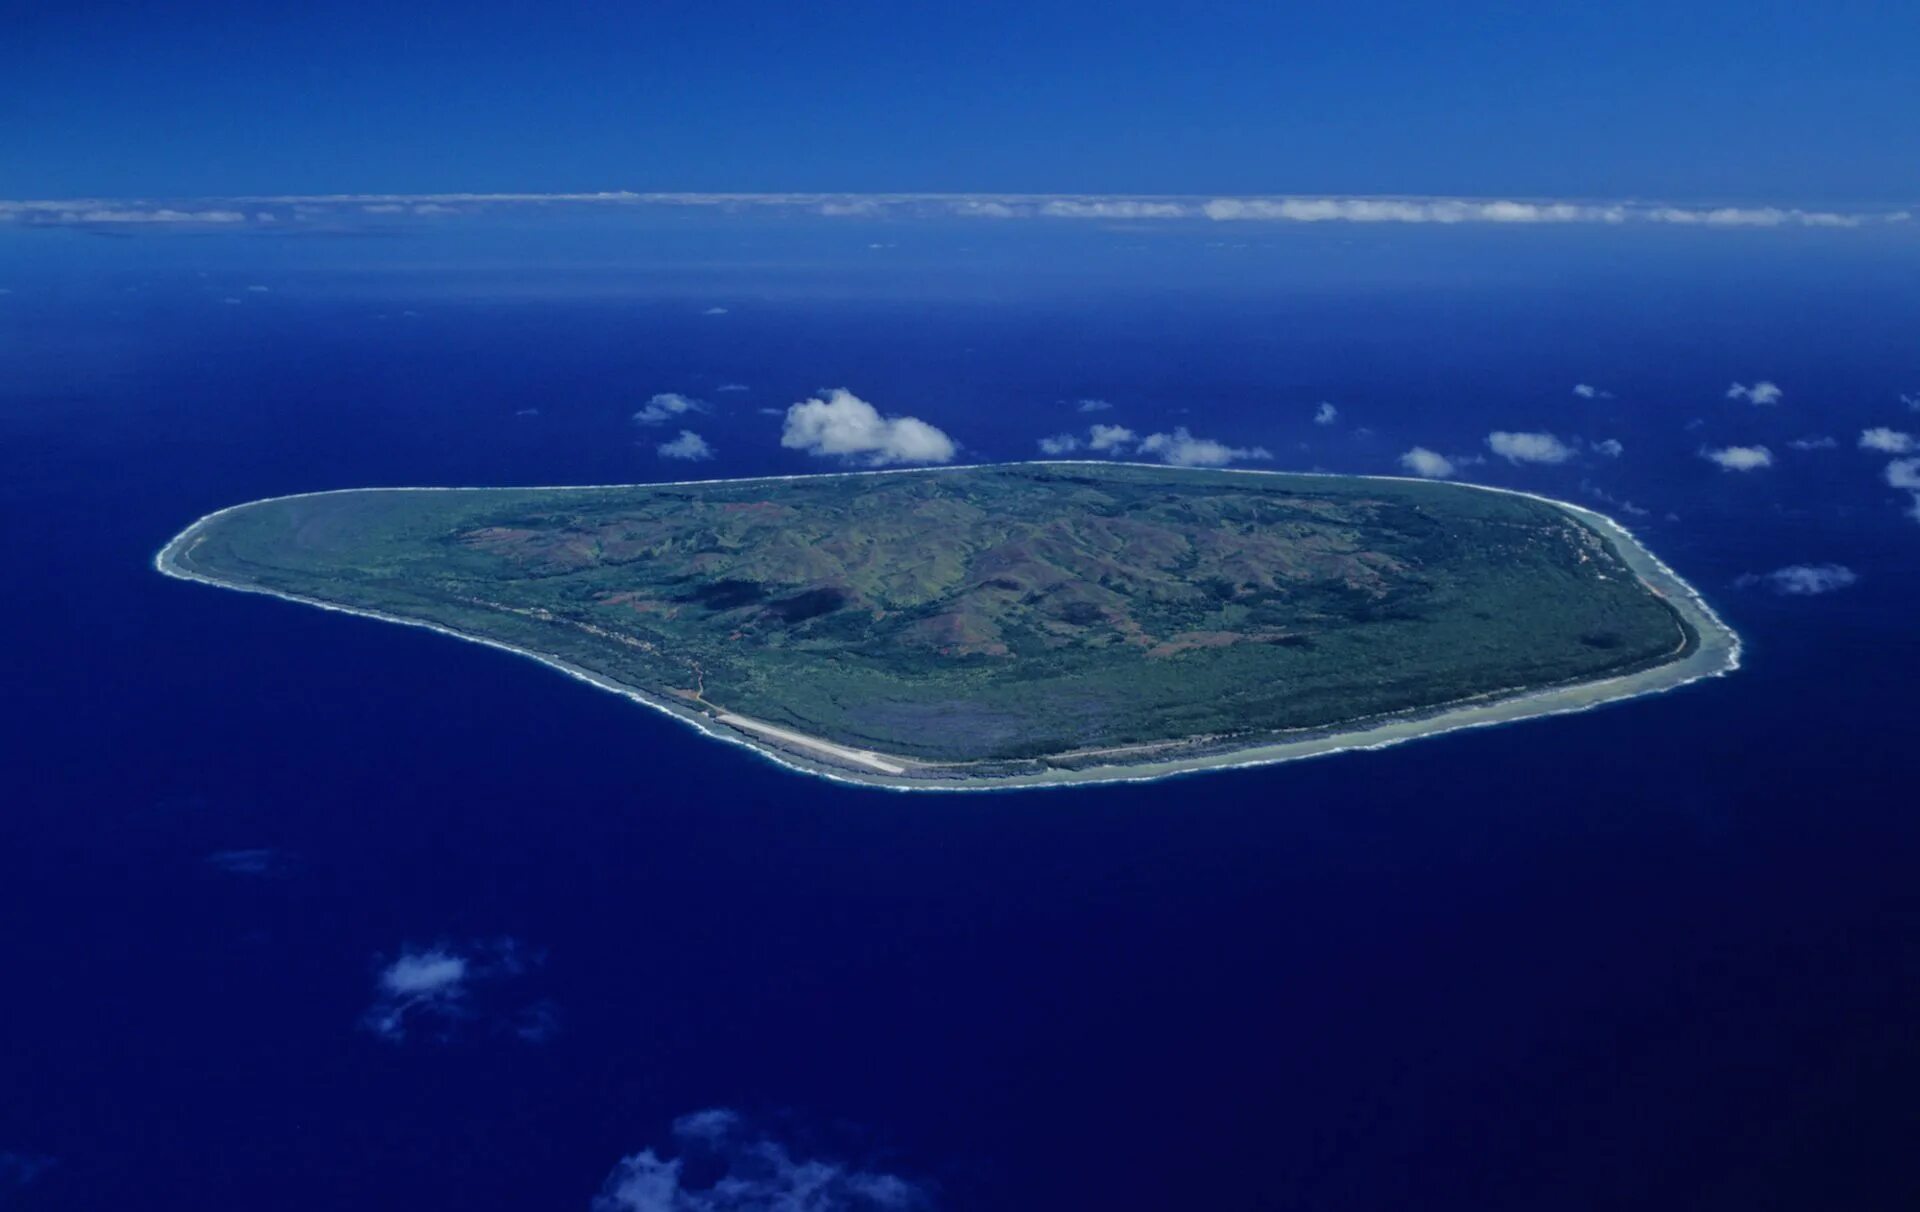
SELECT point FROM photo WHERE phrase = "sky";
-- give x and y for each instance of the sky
(1722, 100)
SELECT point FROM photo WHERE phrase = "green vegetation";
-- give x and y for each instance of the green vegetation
(995, 613)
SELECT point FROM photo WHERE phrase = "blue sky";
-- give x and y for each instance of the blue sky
(1734, 101)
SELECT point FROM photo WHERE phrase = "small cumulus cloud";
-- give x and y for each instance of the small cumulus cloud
(1101, 439)
(1739, 458)
(1815, 442)
(733, 387)
(432, 992)
(1610, 447)
(1181, 449)
(259, 861)
(1763, 392)
(1094, 406)
(1904, 473)
(689, 446)
(1528, 447)
(1802, 580)
(1588, 391)
(1886, 441)
(19, 1170)
(1911, 401)
(1326, 414)
(839, 423)
(714, 311)
(1426, 463)
(719, 1163)
(666, 406)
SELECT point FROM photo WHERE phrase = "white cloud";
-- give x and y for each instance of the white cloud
(1911, 401)
(1430, 464)
(1762, 392)
(1181, 449)
(260, 862)
(1610, 447)
(1094, 406)
(843, 424)
(1109, 438)
(1740, 458)
(1817, 442)
(735, 1169)
(433, 990)
(1112, 208)
(1326, 414)
(1886, 441)
(714, 311)
(1802, 580)
(18, 1170)
(1407, 210)
(1528, 447)
(689, 446)
(732, 387)
(1059, 444)
(1588, 391)
(1904, 473)
(857, 207)
(666, 406)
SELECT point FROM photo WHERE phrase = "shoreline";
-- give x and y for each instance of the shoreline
(1715, 653)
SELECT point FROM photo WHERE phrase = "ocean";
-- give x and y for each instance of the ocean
(1661, 954)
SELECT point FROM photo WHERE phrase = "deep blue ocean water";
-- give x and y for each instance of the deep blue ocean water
(1660, 955)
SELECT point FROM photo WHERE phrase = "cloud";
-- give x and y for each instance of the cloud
(843, 424)
(326, 208)
(733, 387)
(1426, 463)
(689, 446)
(1904, 473)
(1181, 449)
(667, 405)
(1762, 392)
(1059, 444)
(1528, 447)
(1610, 447)
(18, 1170)
(714, 311)
(1588, 391)
(256, 862)
(726, 1166)
(1911, 401)
(1094, 406)
(1819, 442)
(1326, 414)
(1739, 458)
(1406, 210)
(1109, 438)
(1886, 441)
(1802, 580)
(433, 991)
(1113, 208)
(1620, 503)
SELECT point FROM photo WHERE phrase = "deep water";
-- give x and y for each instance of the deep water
(1661, 955)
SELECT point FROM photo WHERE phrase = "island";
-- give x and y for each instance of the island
(1016, 625)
